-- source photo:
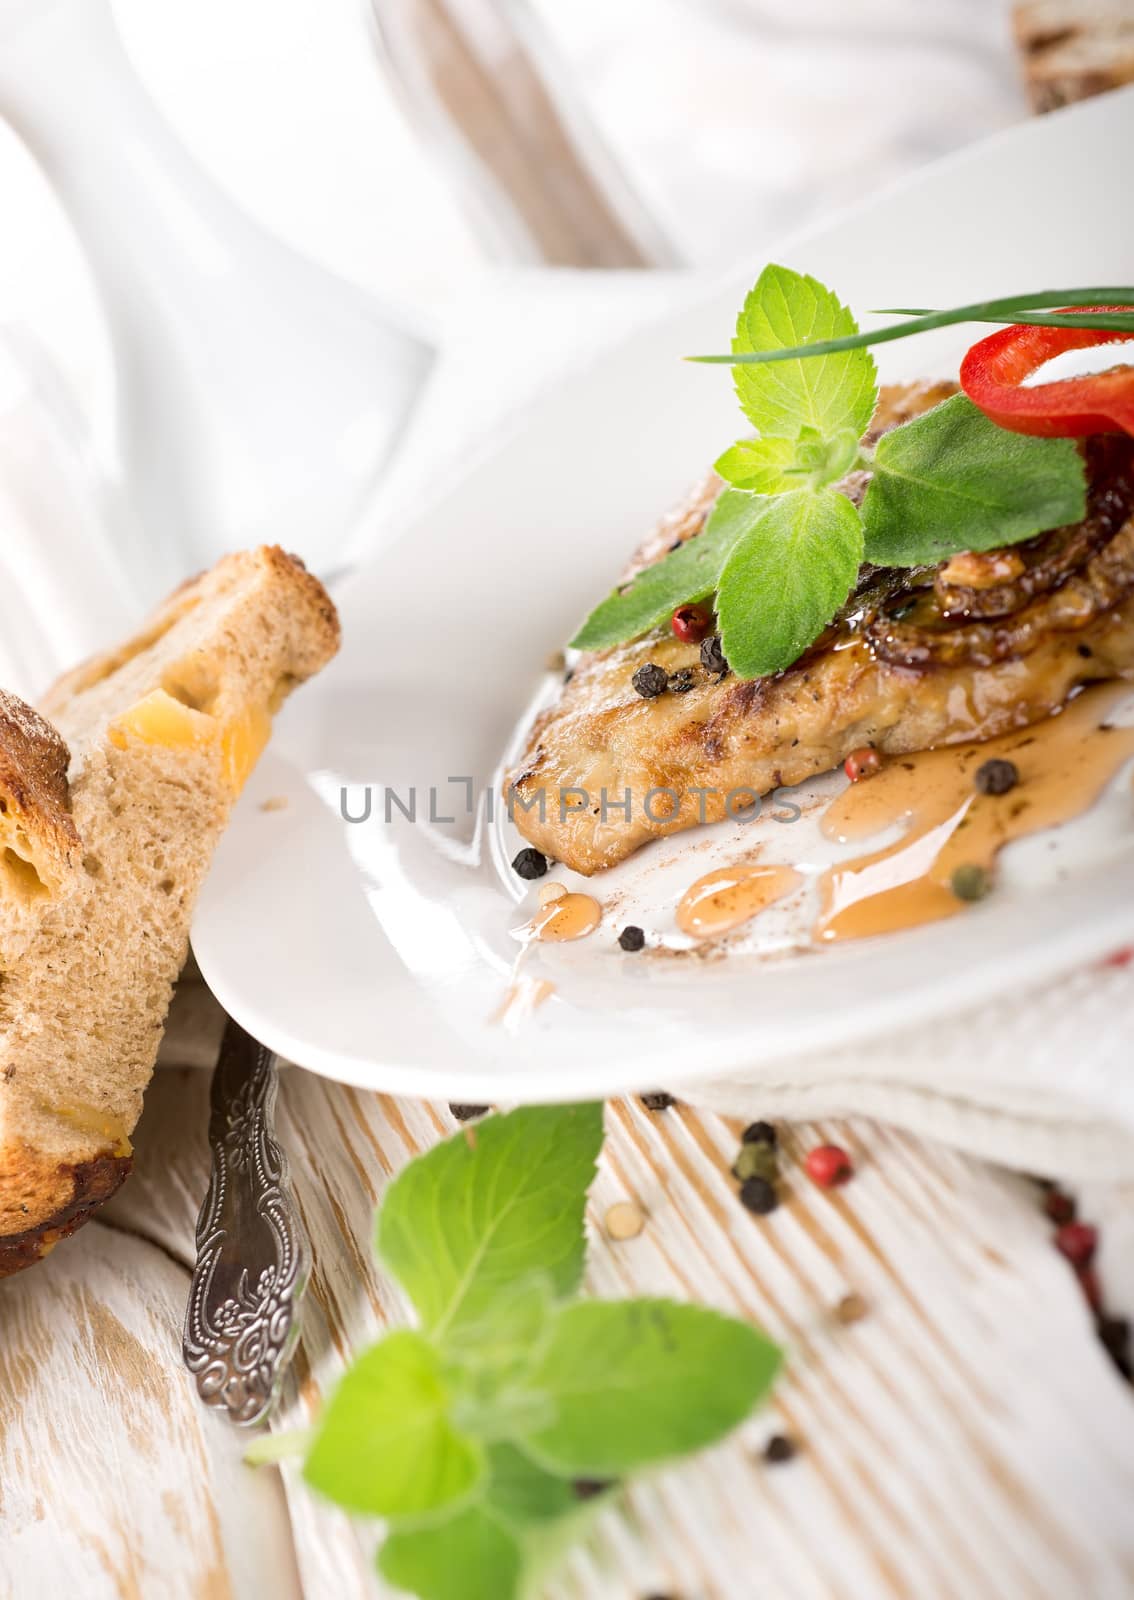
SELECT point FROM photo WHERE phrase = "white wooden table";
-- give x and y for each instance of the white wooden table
(968, 1436)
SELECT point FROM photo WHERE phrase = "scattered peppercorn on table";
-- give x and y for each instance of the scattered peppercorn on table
(948, 1422)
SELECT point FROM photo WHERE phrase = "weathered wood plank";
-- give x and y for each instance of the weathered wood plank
(967, 1436)
(114, 1482)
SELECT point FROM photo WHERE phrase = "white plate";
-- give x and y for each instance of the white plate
(379, 952)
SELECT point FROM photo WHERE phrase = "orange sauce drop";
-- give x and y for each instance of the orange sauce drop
(1064, 763)
(568, 916)
(523, 997)
(723, 899)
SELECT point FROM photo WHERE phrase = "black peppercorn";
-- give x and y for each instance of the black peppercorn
(712, 656)
(758, 1195)
(779, 1448)
(681, 682)
(997, 777)
(587, 1488)
(631, 938)
(467, 1113)
(650, 680)
(657, 1100)
(758, 1133)
(1115, 1335)
(530, 863)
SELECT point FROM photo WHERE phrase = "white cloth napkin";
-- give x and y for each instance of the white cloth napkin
(1040, 1081)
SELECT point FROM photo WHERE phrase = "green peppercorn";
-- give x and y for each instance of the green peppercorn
(755, 1161)
(970, 882)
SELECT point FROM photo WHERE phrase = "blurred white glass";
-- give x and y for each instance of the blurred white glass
(258, 395)
(69, 544)
(741, 121)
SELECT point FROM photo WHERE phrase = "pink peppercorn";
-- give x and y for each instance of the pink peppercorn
(828, 1165)
(1077, 1241)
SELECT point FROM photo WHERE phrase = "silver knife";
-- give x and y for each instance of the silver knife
(253, 1257)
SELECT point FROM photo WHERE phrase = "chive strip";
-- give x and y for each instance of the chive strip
(1023, 308)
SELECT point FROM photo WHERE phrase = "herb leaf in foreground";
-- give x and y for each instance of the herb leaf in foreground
(486, 1552)
(952, 480)
(385, 1444)
(459, 1224)
(786, 578)
(786, 309)
(466, 1436)
(641, 1381)
(472, 1556)
(680, 578)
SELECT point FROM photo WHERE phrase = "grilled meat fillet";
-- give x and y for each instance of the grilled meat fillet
(917, 658)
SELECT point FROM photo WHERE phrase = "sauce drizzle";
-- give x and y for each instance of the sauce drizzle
(729, 896)
(1064, 763)
(567, 916)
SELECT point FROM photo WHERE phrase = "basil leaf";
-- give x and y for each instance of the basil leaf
(641, 1381)
(495, 1549)
(952, 480)
(830, 394)
(460, 1223)
(385, 1444)
(762, 465)
(523, 1494)
(473, 1556)
(682, 577)
(507, 1333)
(786, 578)
(777, 466)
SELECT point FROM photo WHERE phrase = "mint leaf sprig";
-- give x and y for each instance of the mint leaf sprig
(782, 547)
(466, 1433)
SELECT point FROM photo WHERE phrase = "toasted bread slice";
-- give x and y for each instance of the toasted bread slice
(109, 815)
(1073, 49)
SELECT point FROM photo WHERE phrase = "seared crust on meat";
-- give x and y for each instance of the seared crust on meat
(915, 660)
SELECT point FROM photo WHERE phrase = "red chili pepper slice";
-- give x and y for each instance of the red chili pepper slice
(993, 374)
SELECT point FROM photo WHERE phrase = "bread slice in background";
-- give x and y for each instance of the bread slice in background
(109, 815)
(1073, 49)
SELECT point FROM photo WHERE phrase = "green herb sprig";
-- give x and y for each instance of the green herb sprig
(466, 1433)
(782, 547)
(1009, 309)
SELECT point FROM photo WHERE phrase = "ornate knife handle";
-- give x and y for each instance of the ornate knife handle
(253, 1257)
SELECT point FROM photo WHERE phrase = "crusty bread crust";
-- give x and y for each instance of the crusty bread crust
(1073, 49)
(36, 828)
(108, 821)
(61, 1194)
